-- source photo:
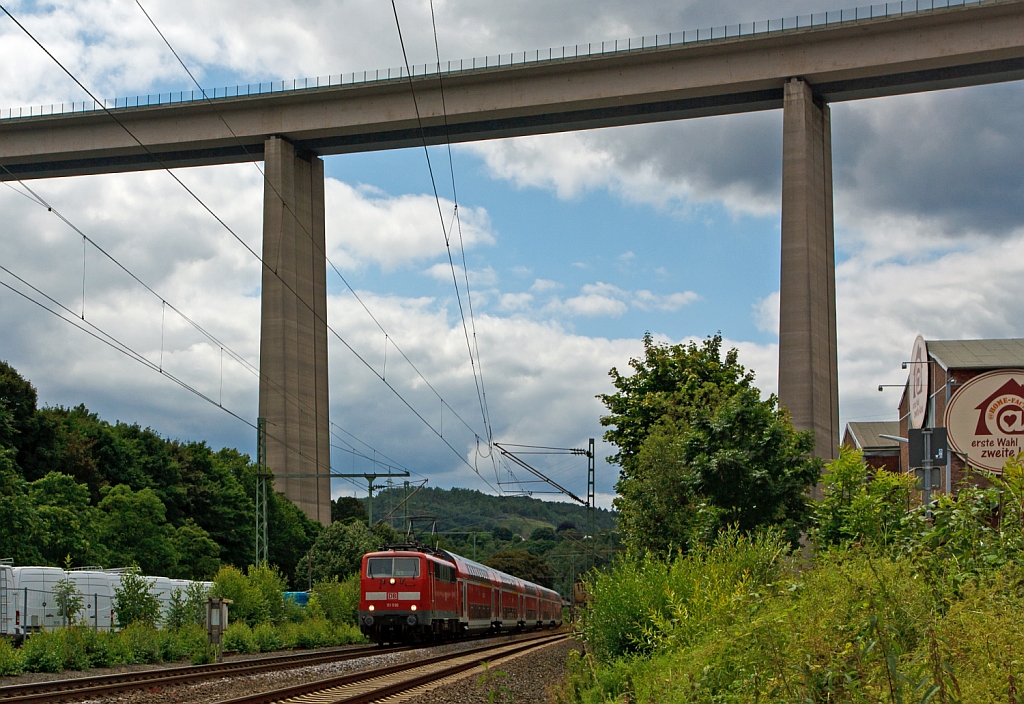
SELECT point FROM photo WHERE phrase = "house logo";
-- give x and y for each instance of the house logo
(1003, 411)
(985, 418)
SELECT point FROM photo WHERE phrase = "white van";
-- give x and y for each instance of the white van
(7, 608)
(39, 610)
(97, 590)
(161, 588)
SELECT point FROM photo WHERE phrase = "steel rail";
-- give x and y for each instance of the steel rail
(88, 687)
(389, 688)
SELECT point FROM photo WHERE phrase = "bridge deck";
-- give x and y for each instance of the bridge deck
(958, 46)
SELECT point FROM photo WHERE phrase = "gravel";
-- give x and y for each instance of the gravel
(229, 687)
(531, 678)
(32, 677)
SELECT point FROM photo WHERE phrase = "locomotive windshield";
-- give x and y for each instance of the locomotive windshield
(392, 567)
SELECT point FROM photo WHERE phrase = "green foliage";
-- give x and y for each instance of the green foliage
(699, 450)
(175, 508)
(67, 520)
(133, 528)
(895, 607)
(347, 508)
(196, 553)
(858, 507)
(256, 596)
(468, 509)
(670, 381)
(336, 601)
(267, 638)
(338, 552)
(187, 606)
(644, 603)
(69, 599)
(134, 601)
(238, 638)
(12, 661)
(490, 680)
(520, 563)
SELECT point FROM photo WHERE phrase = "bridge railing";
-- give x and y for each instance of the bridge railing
(497, 61)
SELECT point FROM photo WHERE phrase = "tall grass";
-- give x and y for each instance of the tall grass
(895, 606)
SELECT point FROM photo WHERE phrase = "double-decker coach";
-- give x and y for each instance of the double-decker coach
(414, 592)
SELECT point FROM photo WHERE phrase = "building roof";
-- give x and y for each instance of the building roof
(977, 354)
(865, 435)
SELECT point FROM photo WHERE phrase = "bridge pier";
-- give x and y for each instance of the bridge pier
(293, 328)
(808, 379)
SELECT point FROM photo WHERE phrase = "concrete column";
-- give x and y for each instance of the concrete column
(808, 379)
(293, 339)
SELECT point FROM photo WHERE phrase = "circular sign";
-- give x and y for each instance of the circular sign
(985, 419)
(918, 383)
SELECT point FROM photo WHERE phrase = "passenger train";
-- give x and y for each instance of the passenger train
(414, 592)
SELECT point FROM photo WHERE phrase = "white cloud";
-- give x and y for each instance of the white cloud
(766, 313)
(442, 271)
(515, 301)
(601, 299)
(368, 227)
(645, 300)
(541, 285)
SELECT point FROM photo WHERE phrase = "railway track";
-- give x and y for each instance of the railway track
(383, 682)
(105, 685)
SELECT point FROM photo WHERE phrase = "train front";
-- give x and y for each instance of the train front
(393, 596)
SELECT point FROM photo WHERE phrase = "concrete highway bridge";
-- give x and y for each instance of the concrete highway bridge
(799, 66)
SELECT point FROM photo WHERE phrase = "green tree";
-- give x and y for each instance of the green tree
(134, 601)
(347, 508)
(699, 449)
(18, 520)
(522, 564)
(67, 520)
(133, 530)
(857, 506)
(18, 396)
(337, 552)
(196, 552)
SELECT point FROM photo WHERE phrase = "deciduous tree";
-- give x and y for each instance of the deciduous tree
(699, 449)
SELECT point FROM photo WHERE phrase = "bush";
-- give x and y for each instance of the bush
(11, 660)
(238, 638)
(318, 633)
(134, 600)
(42, 652)
(257, 597)
(184, 643)
(645, 603)
(188, 606)
(267, 638)
(336, 601)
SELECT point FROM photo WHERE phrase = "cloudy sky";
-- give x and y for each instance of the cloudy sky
(576, 244)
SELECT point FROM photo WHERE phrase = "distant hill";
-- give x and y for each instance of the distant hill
(468, 509)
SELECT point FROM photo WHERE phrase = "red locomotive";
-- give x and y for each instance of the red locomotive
(411, 592)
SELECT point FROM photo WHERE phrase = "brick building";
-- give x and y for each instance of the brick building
(879, 452)
(979, 381)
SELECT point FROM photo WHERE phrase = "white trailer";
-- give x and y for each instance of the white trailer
(6, 600)
(34, 600)
(97, 591)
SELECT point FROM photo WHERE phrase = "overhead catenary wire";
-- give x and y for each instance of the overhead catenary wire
(316, 245)
(458, 224)
(227, 227)
(445, 230)
(113, 342)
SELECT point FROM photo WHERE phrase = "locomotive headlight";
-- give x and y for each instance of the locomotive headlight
(411, 620)
(371, 607)
(414, 607)
(392, 580)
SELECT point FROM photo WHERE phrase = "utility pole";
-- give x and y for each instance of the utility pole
(591, 509)
(261, 491)
(370, 477)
